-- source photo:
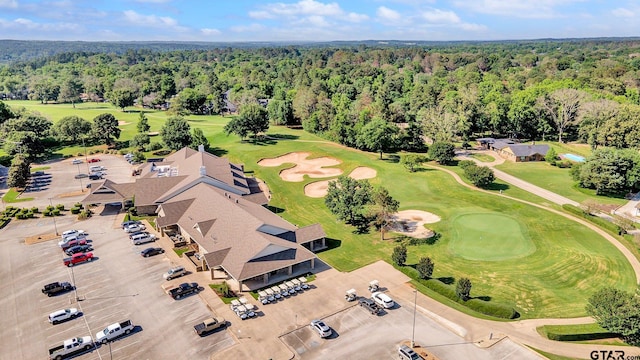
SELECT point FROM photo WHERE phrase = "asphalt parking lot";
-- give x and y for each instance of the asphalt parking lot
(360, 335)
(118, 285)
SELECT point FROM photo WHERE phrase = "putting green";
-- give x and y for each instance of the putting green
(489, 237)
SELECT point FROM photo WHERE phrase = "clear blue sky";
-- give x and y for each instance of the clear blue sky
(316, 20)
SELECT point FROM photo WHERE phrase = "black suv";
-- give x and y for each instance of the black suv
(369, 305)
(56, 288)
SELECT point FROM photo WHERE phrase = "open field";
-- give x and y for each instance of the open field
(570, 262)
(555, 179)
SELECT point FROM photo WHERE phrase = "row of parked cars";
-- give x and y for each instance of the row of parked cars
(75, 245)
(138, 234)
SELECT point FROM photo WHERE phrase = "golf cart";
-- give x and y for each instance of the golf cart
(351, 295)
(374, 286)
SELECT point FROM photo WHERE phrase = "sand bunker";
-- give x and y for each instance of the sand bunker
(411, 223)
(313, 168)
(318, 189)
(122, 123)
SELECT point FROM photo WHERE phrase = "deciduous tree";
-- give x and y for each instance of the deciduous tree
(382, 210)
(442, 152)
(18, 172)
(562, 106)
(399, 255)
(105, 128)
(617, 311)
(347, 197)
(463, 289)
(176, 133)
(71, 128)
(378, 135)
(425, 267)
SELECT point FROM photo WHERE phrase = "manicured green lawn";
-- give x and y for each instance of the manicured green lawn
(554, 179)
(483, 157)
(11, 196)
(489, 237)
(569, 264)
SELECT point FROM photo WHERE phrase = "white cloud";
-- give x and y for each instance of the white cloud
(9, 4)
(207, 32)
(305, 7)
(386, 14)
(356, 18)
(30, 25)
(151, 20)
(622, 12)
(260, 15)
(515, 8)
(248, 28)
(441, 17)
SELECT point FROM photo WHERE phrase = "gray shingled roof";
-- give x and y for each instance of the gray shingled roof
(529, 150)
(108, 191)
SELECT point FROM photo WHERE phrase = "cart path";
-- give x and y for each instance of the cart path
(524, 331)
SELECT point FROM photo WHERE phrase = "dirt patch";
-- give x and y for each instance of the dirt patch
(72, 194)
(318, 189)
(40, 238)
(122, 123)
(313, 168)
(411, 223)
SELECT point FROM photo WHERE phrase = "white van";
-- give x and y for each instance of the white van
(96, 168)
(142, 238)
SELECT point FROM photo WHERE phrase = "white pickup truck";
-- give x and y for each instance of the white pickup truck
(71, 347)
(113, 331)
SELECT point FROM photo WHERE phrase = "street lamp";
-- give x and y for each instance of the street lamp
(80, 178)
(55, 226)
(413, 332)
(75, 287)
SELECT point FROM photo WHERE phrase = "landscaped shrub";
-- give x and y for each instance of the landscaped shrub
(50, 208)
(571, 333)
(35, 210)
(84, 214)
(79, 154)
(47, 213)
(29, 214)
(78, 205)
(4, 221)
(55, 212)
(60, 207)
(75, 210)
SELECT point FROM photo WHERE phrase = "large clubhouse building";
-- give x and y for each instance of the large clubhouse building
(221, 214)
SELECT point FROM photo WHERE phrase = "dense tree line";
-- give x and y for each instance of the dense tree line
(372, 97)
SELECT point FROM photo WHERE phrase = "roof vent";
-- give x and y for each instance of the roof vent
(201, 148)
(203, 171)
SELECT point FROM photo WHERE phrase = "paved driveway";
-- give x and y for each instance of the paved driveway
(118, 285)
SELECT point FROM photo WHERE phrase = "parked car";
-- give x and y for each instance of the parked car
(174, 273)
(321, 328)
(73, 243)
(95, 168)
(67, 239)
(95, 176)
(59, 316)
(183, 290)
(143, 238)
(78, 258)
(80, 176)
(78, 249)
(130, 222)
(113, 331)
(93, 160)
(72, 232)
(134, 227)
(151, 251)
(132, 235)
(407, 353)
(209, 325)
(56, 288)
(71, 347)
(369, 305)
(76, 162)
(383, 300)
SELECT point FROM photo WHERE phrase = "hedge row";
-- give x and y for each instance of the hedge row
(484, 307)
(606, 225)
(559, 333)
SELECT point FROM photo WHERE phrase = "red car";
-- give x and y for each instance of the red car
(78, 258)
(73, 243)
(93, 160)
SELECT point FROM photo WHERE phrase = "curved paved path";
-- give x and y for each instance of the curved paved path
(524, 331)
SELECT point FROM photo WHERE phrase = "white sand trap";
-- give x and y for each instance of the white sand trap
(313, 168)
(411, 223)
(122, 123)
(318, 189)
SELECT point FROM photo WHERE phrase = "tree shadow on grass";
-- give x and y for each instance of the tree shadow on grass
(331, 244)
(446, 280)
(483, 298)
(284, 136)
(217, 151)
(495, 186)
(392, 158)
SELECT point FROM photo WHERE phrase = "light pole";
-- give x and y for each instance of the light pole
(85, 155)
(55, 226)
(80, 178)
(413, 332)
(75, 287)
